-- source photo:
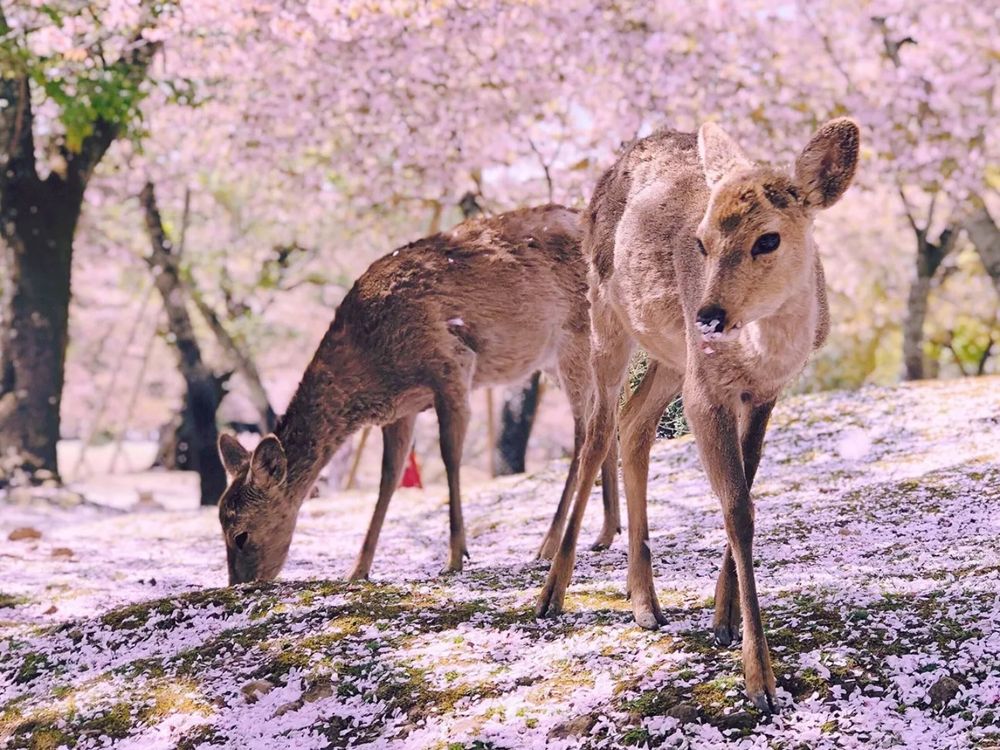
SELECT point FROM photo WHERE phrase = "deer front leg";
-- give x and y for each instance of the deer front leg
(726, 622)
(639, 418)
(453, 420)
(716, 432)
(396, 441)
(609, 494)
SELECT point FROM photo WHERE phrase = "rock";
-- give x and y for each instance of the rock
(62, 552)
(51, 610)
(256, 688)
(579, 725)
(23, 533)
(285, 708)
(318, 691)
(738, 720)
(944, 691)
(685, 713)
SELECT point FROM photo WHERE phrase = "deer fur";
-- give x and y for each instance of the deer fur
(487, 303)
(679, 266)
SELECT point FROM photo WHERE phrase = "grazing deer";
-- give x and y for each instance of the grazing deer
(707, 260)
(487, 303)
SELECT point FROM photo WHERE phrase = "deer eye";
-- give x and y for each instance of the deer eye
(701, 247)
(241, 539)
(766, 243)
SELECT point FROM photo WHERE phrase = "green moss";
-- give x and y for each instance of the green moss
(635, 737)
(115, 723)
(188, 663)
(712, 695)
(172, 697)
(9, 601)
(49, 738)
(196, 737)
(135, 616)
(31, 667)
(653, 702)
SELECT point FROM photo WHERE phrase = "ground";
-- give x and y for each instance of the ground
(878, 565)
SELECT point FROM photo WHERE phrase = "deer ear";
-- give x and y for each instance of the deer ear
(718, 152)
(268, 465)
(234, 456)
(826, 166)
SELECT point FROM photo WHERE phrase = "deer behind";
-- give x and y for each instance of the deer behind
(488, 303)
(707, 261)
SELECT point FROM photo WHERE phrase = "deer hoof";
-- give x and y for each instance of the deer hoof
(548, 604)
(548, 549)
(725, 635)
(764, 700)
(759, 680)
(603, 541)
(358, 575)
(550, 601)
(646, 611)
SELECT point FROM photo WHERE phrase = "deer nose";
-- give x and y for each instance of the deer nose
(711, 319)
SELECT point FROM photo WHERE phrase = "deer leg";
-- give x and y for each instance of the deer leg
(726, 622)
(717, 435)
(610, 362)
(396, 441)
(453, 419)
(609, 494)
(548, 549)
(639, 418)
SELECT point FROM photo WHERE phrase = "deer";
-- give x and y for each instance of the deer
(707, 261)
(487, 303)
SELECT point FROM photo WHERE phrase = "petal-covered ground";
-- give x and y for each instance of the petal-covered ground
(878, 563)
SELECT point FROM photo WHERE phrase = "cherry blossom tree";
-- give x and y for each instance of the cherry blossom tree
(72, 76)
(347, 128)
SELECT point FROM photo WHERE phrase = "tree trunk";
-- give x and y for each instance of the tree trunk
(930, 255)
(37, 220)
(204, 391)
(985, 236)
(913, 327)
(244, 365)
(516, 420)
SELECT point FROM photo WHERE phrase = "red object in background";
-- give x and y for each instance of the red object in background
(411, 474)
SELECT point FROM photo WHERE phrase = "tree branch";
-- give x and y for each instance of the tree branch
(984, 358)
(985, 236)
(17, 143)
(908, 211)
(545, 167)
(80, 166)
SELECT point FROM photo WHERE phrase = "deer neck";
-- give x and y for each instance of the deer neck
(321, 415)
(780, 343)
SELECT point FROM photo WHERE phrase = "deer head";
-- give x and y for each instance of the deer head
(756, 234)
(257, 521)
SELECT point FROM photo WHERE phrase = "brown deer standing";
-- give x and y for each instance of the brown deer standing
(707, 261)
(487, 303)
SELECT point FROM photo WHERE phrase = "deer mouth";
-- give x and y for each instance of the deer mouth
(711, 331)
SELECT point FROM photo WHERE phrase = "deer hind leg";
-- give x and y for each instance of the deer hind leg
(612, 348)
(609, 494)
(452, 406)
(717, 434)
(577, 379)
(639, 419)
(726, 622)
(551, 540)
(396, 440)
